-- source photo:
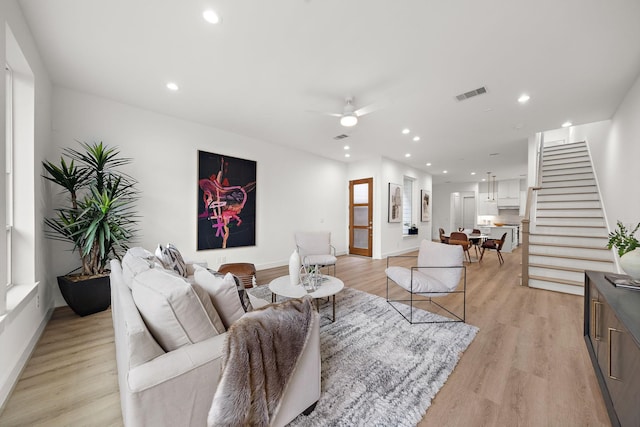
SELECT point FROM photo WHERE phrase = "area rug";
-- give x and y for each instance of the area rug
(377, 369)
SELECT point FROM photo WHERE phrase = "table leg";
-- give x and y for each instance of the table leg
(334, 308)
(273, 297)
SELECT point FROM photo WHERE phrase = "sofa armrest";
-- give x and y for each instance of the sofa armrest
(205, 355)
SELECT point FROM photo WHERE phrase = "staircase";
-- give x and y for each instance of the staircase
(569, 234)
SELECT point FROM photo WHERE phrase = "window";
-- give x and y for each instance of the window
(407, 205)
(9, 169)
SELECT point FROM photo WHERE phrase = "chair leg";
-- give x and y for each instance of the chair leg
(481, 254)
(500, 259)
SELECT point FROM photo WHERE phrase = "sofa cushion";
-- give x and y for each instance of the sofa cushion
(172, 259)
(223, 293)
(135, 261)
(172, 310)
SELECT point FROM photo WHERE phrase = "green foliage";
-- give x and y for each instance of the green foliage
(623, 239)
(99, 218)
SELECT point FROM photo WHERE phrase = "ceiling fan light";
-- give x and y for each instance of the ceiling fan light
(348, 120)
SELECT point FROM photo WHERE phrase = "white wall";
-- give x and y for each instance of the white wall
(616, 160)
(295, 190)
(392, 240)
(30, 304)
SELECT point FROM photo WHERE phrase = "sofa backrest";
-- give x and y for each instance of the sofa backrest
(134, 343)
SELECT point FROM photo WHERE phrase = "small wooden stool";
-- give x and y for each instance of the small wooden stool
(242, 270)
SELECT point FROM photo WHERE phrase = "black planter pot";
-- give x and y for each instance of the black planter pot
(86, 296)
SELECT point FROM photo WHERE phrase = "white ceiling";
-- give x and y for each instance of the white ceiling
(269, 62)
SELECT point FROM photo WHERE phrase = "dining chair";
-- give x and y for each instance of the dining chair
(443, 237)
(459, 238)
(475, 242)
(495, 244)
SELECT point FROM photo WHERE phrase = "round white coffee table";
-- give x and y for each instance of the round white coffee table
(329, 287)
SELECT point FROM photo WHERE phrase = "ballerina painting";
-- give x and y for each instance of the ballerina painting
(226, 201)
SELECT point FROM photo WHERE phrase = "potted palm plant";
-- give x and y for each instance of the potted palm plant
(628, 246)
(97, 218)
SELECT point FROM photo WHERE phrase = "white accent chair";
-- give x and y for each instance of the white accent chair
(438, 273)
(315, 249)
(176, 388)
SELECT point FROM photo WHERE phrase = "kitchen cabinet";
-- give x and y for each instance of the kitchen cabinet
(486, 206)
(509, 193)
(612, 335)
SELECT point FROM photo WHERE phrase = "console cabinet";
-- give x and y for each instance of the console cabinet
(612, 335)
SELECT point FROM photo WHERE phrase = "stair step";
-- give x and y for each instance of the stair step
(570, 230)
(550, 191)
(556, 287)
(561, 172)
(570, 222)
(569, 183)
(567, 177)
(562, 239)
(565, 154)
(566, 161)
(570, 246)
(564, 282)
(565, 165)
(571, 261)
(556, 272)
(585, 253)
(568, 204)
(567, 146)
(568, 197)
(569, 213)
(557, 267)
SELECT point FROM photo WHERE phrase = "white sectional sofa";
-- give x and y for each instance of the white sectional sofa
(176, 388)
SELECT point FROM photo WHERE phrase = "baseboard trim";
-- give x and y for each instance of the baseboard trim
(16, 372)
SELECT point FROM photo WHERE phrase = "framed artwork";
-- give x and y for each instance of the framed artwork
(425, 206)
(226, 201)
(395, 203)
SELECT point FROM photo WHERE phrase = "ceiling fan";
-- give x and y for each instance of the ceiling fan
(349, 116)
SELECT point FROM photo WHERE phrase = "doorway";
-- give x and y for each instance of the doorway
(463, 210)
(361, 216)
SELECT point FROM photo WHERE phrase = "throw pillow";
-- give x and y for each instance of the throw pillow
(172, 259)
(172, 310)
(223, 293)
(135, 261)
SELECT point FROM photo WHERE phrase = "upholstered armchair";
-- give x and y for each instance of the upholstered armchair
(315, 249)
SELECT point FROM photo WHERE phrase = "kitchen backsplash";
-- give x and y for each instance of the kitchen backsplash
(506, 216)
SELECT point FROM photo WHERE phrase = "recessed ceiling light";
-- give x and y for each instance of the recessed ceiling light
(484, 179)
(408, 155)
(211, 17)
(566, 124)
(445, 171)
(347, 155)
(346, 147)
(428, 164)
(416, 138)
(405, 131)
(523, 98)
(172, 86)
(473, 173)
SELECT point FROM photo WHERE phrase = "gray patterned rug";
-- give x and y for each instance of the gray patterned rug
(377, 369)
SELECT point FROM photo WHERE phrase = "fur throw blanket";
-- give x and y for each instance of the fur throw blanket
(261, 352)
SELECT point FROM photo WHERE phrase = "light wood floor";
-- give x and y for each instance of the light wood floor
(528, 365)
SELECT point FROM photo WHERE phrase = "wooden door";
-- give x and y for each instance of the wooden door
(361, 216)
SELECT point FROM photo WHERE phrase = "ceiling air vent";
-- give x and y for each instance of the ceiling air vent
(339, 137)
(471, 94)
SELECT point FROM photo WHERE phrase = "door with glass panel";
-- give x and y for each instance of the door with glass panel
(361, 216)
